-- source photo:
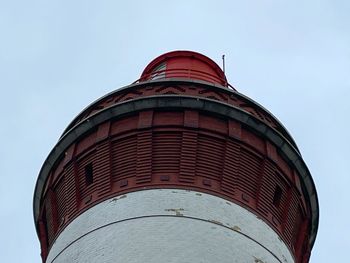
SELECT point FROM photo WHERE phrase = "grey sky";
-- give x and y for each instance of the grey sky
(56, 57)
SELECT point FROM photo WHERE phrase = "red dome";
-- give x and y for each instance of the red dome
(184, 64)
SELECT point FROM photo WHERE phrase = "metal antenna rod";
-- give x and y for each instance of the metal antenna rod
(223, 63)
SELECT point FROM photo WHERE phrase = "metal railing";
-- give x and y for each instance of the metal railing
(185, 73)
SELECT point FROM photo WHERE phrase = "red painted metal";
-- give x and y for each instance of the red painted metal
(169, 151)
(184, 64)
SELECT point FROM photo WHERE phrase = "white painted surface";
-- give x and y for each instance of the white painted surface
(166, 225)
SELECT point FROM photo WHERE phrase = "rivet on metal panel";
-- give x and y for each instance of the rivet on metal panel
(123, 183)
(206, 182)
(164, 177)
(245, 197)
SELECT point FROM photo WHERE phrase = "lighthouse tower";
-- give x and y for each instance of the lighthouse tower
(177, 167)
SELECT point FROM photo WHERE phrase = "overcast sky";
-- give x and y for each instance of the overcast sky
(56, 57)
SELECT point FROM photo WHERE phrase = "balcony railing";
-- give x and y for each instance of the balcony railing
(187, 74)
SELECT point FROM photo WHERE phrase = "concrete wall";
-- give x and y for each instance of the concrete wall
(167, 225)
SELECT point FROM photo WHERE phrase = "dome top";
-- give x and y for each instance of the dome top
(184, 64)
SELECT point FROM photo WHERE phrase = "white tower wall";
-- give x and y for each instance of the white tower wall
(168, 225)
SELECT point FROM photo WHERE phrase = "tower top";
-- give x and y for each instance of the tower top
(179, 127)
(184, 64)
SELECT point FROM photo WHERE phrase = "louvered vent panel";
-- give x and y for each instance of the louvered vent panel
(60, 195)
(103, 167)
(231, 167)
(166, 152)
(278, 210)
(144, 157)
(188, 157)
(124, 158)
(297, 226)
(266, 192)
(49, 220)
(249, 172)
(270, 182)
(70, 193)
(210, 155)
(84, 189)
(292, 216)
